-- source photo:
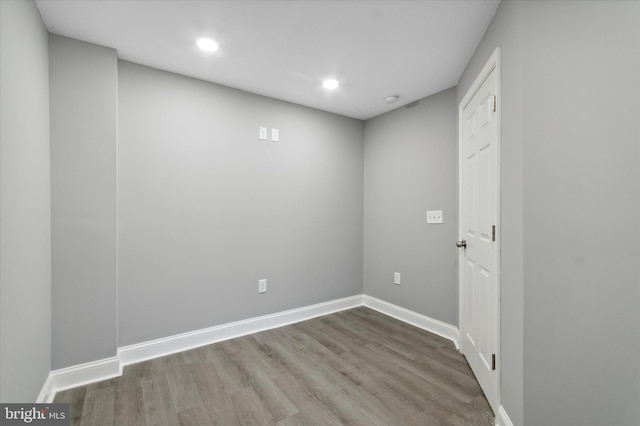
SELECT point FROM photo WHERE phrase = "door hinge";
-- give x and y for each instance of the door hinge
(493, 361)
(493, 233)
(493, 103)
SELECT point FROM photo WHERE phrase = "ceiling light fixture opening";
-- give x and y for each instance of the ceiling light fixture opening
(207, 44)
(330, 84)
(391, 99)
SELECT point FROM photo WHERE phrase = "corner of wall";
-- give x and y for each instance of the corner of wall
(25, 208)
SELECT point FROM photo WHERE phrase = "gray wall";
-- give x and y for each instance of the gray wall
(25, 223)
(582, 205)
(83, 185)
(206, 209)
(410, 167)
(570, 205)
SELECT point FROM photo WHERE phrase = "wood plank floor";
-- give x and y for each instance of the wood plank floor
(354, 367)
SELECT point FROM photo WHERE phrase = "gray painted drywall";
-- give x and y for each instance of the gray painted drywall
(25, 203)
(205, 209)
(505, 30)
(570, 203)
(410, 167)
(581, 74)
(83, 192)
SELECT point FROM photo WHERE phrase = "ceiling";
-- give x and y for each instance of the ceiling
(284, 49)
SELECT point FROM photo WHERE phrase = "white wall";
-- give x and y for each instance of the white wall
(205, 209)
(410, 166)
(83, 185)
(25, 224)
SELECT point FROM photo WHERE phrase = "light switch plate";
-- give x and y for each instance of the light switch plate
(262, 286)
(275, 135)
(434, 216)
(396, 278)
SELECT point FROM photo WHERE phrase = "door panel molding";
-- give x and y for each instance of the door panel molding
(479, 174)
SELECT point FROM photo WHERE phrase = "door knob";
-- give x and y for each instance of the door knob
(462, 243)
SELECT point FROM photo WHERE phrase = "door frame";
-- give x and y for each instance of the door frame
(494, 63)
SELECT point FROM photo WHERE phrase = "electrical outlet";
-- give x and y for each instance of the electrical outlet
(396, 278)
(262, 133)
(434, 216)
(262, 286)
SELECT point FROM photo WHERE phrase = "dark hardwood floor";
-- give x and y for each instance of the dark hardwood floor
(353, 367)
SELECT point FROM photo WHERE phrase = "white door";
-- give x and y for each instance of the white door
(479, 214)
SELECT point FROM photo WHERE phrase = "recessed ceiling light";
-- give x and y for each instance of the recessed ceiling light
(330, 84)
(207, 44)
(391, 99)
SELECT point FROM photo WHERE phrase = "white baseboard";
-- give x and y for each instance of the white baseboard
(47, 393)
(502, 418)
(83, 374)
(91, 372)
(185, 341)
(434, 326)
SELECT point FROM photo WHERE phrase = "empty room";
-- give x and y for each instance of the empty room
(288, 212)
